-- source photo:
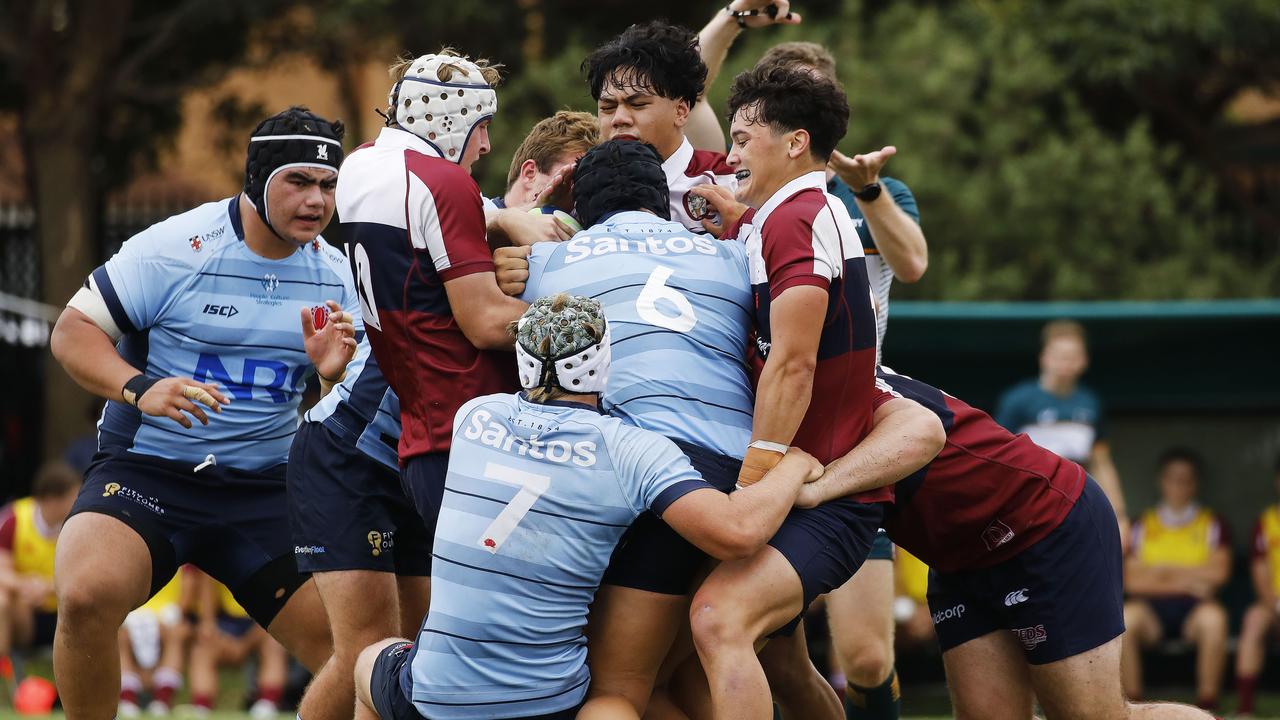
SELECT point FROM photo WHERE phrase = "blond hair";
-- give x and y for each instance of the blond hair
(791, 54)
(1058, 329)
(565, 133)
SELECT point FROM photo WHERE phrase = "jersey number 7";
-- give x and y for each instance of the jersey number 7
(531, 485)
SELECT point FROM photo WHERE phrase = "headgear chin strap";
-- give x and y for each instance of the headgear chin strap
(562, 342)
(443, 112)
(290, 139)
(620, 175)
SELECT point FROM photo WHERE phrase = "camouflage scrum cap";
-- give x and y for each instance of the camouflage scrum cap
(563, 341)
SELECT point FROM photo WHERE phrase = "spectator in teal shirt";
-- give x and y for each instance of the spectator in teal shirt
(1060, 414)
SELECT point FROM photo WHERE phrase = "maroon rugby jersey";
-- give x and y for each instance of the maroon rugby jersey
(803, 236)
(687, 168)
(986, 497)
(413, 221)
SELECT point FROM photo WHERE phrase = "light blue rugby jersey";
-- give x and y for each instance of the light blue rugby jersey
(363, 410)
(536, 498)
(194, 301)
(680, 313)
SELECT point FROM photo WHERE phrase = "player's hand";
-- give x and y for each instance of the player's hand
(782, 15)
(558, 192)
(329, 336)
(171, 397)
(524, 228)
(724, 205)
(512, 266)
(757, 463)
(860, 171)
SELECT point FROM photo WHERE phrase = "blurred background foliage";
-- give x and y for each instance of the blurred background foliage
(1059, 149)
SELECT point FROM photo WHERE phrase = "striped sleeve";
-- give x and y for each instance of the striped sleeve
(795, 245)
(446, 217)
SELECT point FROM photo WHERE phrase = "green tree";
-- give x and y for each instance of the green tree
(96, 86)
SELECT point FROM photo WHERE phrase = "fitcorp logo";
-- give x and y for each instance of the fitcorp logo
(1015, 597)
(956, 612)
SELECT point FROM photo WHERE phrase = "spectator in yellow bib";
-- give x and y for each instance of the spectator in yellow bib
(28, 530)
(1179, 556)
(1260, 618)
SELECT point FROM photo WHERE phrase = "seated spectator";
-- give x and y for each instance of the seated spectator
(28, 532)
(1179, 557)
(226, 635)
(1063, 416)
(152, 648)
(1260, 618)
(914, 624)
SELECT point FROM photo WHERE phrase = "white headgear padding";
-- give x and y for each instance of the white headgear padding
(583, 370)
(443, 112)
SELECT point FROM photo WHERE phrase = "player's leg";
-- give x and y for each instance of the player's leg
(167, 678)
(273, 670)
(629, 632)
(1087, 686)
(377, 680)
(102, 571)
(130, 677)
(798, 686)
(1142, 629)
(860, 614)
(740, 603)
(207, 650)
(1251, 652)
(1206, 627)
(414, 598)
(362, 607)
(988, 678)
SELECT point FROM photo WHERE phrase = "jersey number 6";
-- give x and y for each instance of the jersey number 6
(657, 289)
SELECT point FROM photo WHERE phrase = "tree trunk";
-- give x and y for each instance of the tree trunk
(65, 201)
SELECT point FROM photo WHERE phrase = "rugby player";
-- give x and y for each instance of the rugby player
(353, 528)
(815, 366)
(1026, 589)
(205, 309)
(680, 304)
(541, 486)
(887, 220)
(415, 226)
(550, 149)
(644, 82)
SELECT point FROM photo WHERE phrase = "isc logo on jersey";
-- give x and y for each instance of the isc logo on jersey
(481, 427)
(581, 248)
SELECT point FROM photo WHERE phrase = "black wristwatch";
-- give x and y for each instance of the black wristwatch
(868, 192)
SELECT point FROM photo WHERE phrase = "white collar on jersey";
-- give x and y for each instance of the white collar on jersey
(1175, 519)
(674, 166)
(816, 179)
(394, 138)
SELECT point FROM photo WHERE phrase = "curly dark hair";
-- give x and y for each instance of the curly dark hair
(655, 56)
(788, 99)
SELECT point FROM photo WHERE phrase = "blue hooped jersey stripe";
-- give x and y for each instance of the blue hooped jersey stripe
(680, 313)
(363, 410)
(535, 500)
(194, 301)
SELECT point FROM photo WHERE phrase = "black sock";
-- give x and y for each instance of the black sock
(883, 702)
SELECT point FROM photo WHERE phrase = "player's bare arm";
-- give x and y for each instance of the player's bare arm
(905, 438)
(515, 226)
(898, 238)
(735, 526)
(714, 40)
(482, 310)
(89, 356)
(786, 383)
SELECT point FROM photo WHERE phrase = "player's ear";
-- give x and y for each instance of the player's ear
(682, 112)
(797, 143)
(528, 170)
